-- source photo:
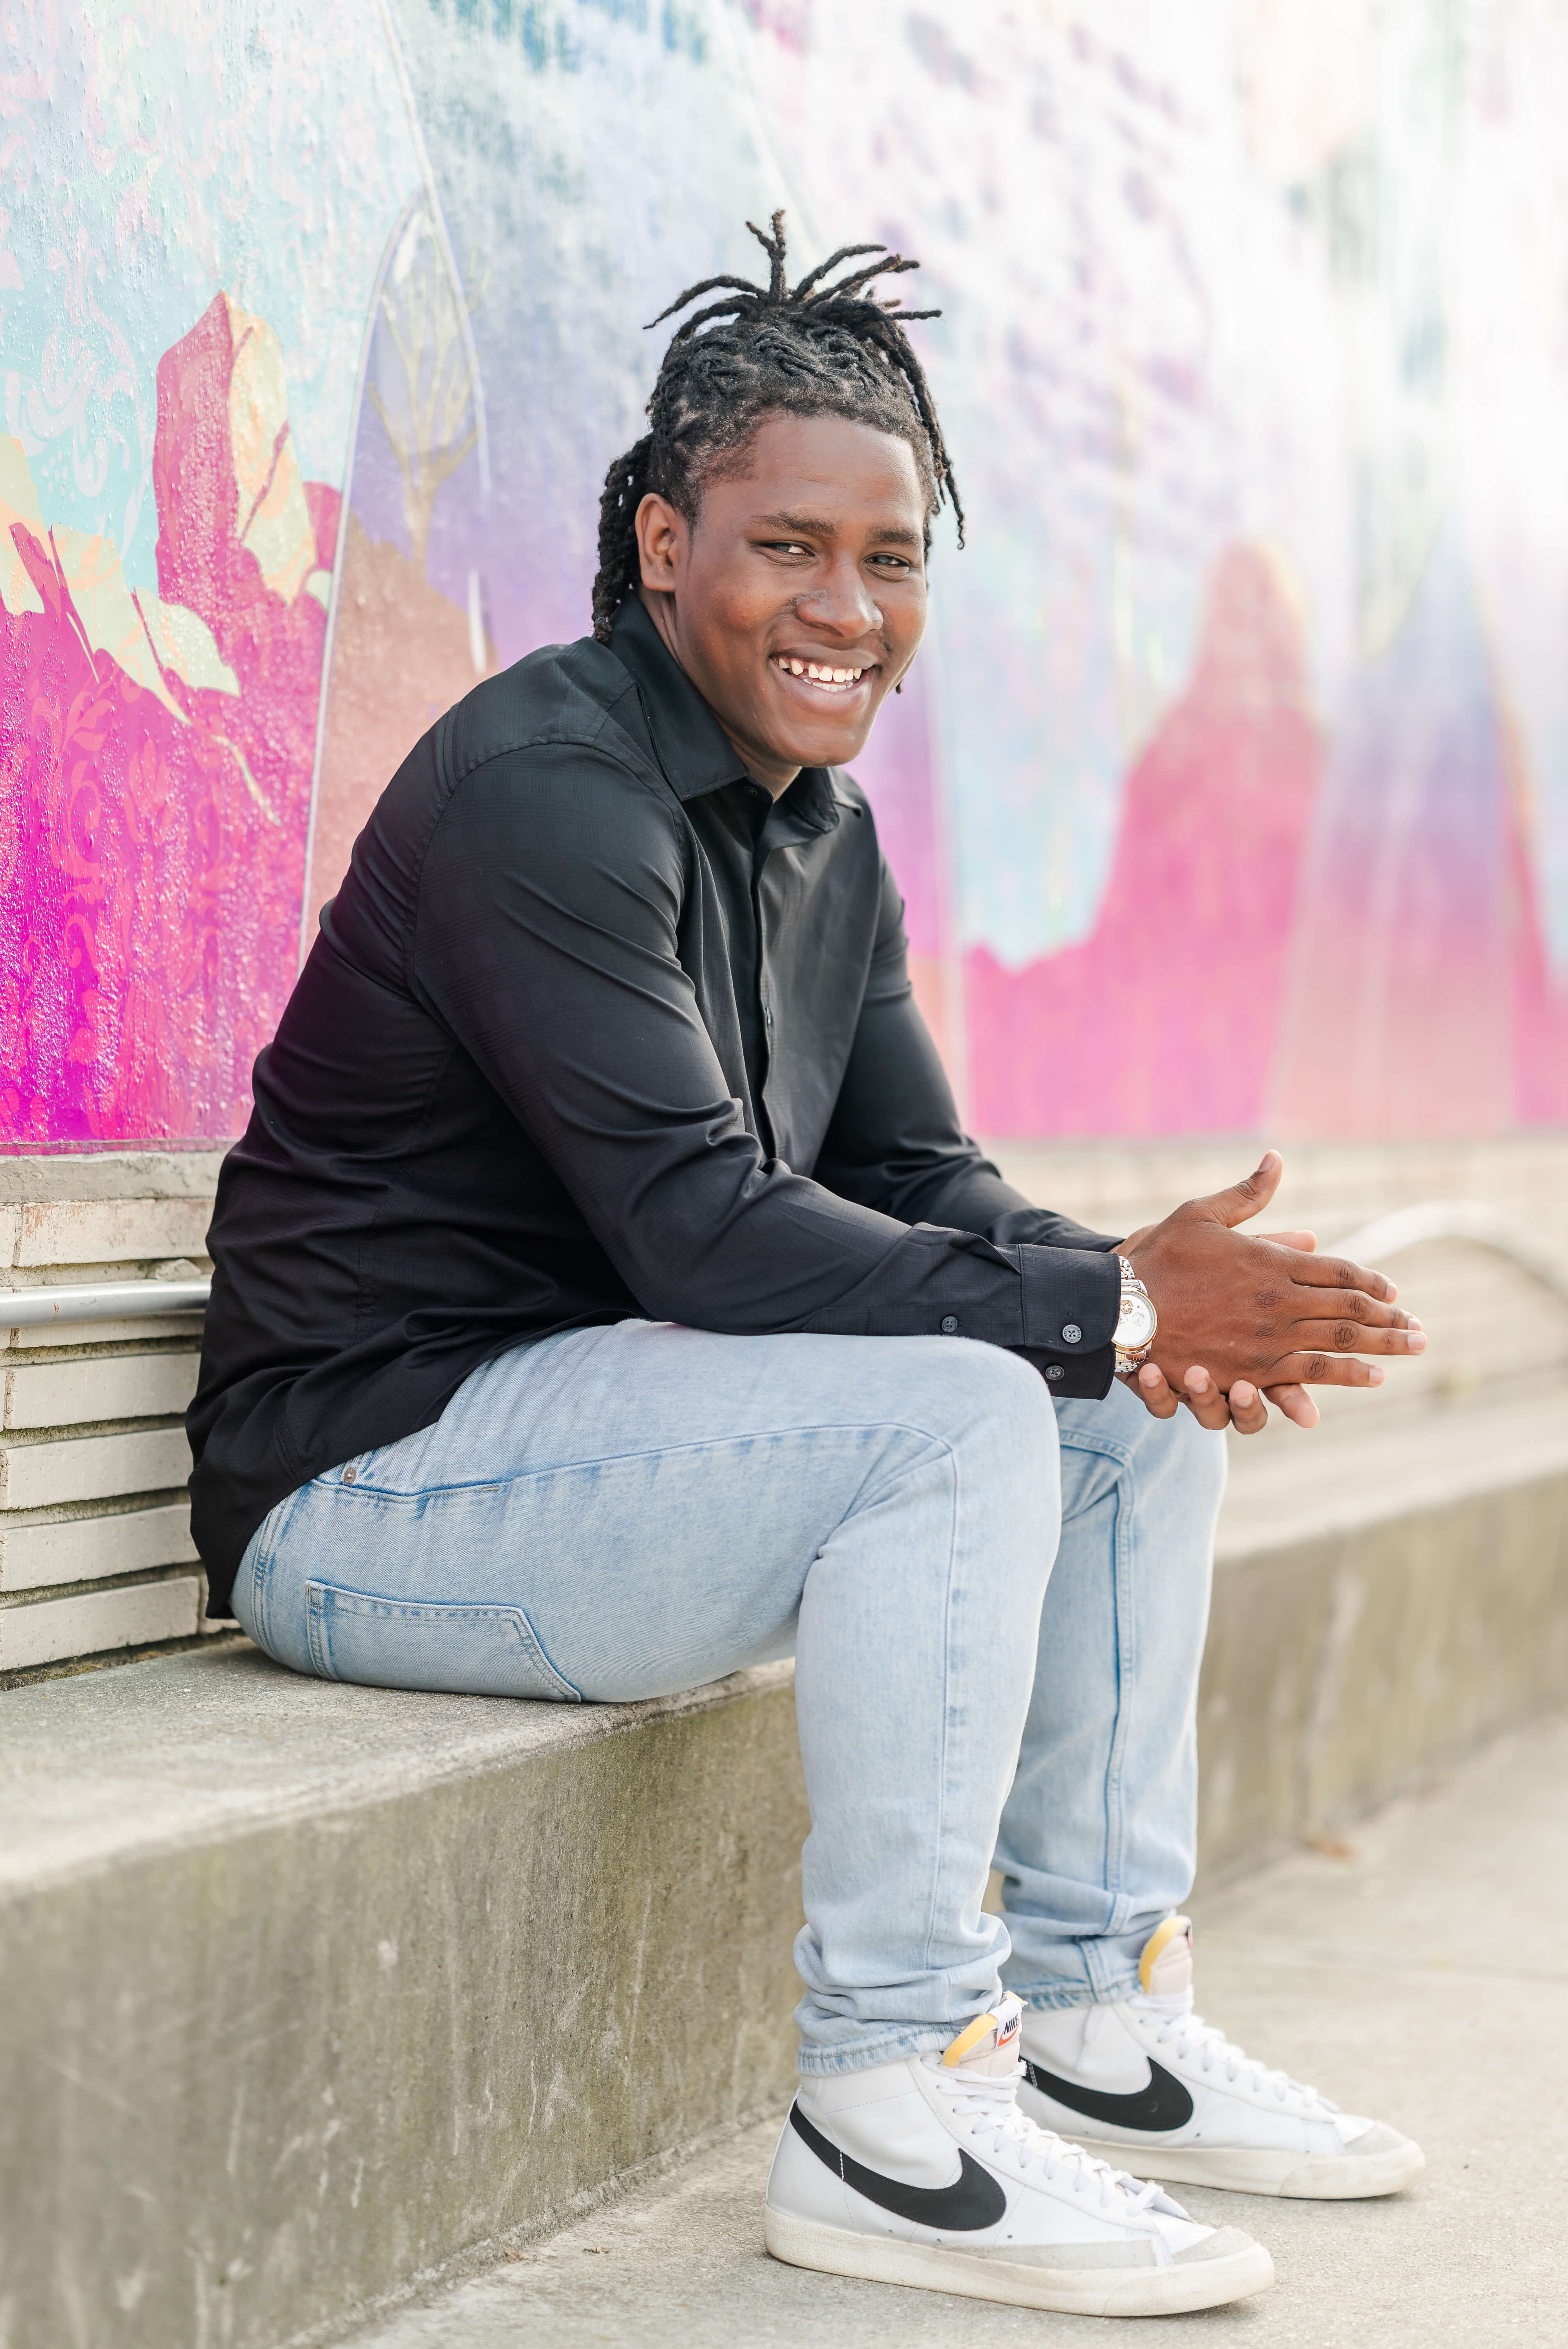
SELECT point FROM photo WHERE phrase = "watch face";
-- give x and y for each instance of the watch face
(1137, 1325)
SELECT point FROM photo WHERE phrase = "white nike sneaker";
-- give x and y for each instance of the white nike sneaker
(923, 2171)
(1145, 2079)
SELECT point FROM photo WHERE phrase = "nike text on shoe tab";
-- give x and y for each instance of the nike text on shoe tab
(1145, 2079)
(924, 2171)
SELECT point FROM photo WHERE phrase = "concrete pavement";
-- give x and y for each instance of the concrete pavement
(1420, 1973)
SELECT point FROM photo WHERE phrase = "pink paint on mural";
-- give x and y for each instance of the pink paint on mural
(1162, 1021)
(1415, 936)
(1540, 1004)
(156, 754)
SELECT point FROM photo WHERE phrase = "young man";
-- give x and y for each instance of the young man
(606, 1299)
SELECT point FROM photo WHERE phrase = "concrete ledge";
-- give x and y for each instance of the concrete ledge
(1383, 1603)
(309, 1992)
(305, 1988)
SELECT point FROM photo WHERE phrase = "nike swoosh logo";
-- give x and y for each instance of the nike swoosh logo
(1164, 2104)
(973, 2201)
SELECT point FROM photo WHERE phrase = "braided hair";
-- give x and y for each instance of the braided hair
(808, 349)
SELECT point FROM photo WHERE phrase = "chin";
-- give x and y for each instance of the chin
(827, 745)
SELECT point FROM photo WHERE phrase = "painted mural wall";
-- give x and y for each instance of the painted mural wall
(1232, 787)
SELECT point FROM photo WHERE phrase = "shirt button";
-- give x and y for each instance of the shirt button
(1072, 1333)
(350, 1474)
(1055, 1370)
(950, 1325)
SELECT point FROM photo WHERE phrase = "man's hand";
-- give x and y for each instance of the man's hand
(1241, 1317)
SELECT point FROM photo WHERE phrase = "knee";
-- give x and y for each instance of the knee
(1007, 1393)
(999, 1417)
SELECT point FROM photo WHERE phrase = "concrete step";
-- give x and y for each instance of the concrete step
(303, 1988)
(1385, 1596)
(1421, 1978)
(308, 1990)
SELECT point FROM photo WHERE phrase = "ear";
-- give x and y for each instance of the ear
(662, 538)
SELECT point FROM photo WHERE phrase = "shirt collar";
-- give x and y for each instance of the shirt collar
(691, 746)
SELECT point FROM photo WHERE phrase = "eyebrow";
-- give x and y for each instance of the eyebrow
(795, 525)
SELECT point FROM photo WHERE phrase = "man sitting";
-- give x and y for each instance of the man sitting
(606, 1299)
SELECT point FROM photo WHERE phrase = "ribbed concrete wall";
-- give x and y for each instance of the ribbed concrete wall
(96, 1554)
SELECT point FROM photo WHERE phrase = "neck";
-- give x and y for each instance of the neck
(774, 775)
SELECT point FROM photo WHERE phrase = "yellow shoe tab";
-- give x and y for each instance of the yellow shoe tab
(1161, 1939)
(969, 2038)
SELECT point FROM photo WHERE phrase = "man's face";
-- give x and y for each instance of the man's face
(809, 560)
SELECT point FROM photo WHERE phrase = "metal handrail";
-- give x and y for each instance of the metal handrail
(1456, 1219)
(103, 1300)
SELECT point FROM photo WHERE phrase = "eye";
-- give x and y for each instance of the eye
(894, 562)
(782, 547)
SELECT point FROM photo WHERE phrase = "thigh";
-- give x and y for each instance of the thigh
(613, 1514)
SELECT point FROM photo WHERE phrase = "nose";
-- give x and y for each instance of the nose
(841, 604)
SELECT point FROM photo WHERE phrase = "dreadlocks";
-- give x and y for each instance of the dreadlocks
(810, 349)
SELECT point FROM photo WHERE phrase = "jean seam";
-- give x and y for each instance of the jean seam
(315, 1631)
(943, 1760)
(1109, 1447)
(662, 1452)
(1125, 1510)
(532, 1646)
(262, 1569)
(1124, 1506)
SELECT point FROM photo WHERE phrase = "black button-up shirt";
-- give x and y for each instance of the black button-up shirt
(594, 1028)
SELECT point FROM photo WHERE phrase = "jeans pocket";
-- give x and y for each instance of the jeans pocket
(458, 1650)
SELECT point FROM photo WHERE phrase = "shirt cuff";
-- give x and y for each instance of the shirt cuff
(1072, 1301)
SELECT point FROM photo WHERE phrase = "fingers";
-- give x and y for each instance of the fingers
(1325, 1371)
(1243, 1408)
(1304, 1241)
(1316, 1305)
(1149, 1385)
(1249, 1196)
(1339, 1272)
(1351, 1336)
(1248, 1413)
(1295, 1403)
(1204, 1399)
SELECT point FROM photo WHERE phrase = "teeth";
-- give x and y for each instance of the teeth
(819, 672)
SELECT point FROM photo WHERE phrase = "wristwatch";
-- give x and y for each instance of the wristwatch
(1134, 1336)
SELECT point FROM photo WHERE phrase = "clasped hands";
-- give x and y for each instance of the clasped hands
(1249, 1315)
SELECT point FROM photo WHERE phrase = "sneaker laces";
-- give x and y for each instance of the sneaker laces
(991, 2108)
(1209, 2044)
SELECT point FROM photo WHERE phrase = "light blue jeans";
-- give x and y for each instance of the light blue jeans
(997, 1609)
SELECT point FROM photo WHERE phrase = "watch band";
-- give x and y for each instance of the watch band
(1129, 1359)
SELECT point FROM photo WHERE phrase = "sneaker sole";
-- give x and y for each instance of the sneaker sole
(1310, 2178)
(1071, 2291)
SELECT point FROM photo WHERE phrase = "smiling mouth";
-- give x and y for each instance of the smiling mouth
(824, 676)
